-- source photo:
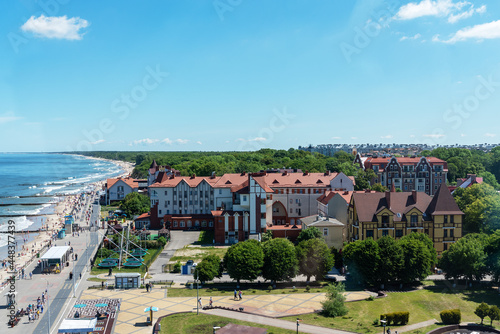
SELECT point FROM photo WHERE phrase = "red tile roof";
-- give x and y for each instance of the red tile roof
(133, 183)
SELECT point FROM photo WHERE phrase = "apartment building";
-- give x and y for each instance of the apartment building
(374, 215)
(423, 174)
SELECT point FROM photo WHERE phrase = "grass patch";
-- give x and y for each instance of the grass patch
(422, 304)
(148, 259)
(96, 279)
(217, 289)
(190, 323)
(197, 253)
(205, 238)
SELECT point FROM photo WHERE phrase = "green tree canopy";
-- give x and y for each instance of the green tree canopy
(280, 260)
(135, 204)
(208, 268)
(391, 259)
(418, 259)
(334, 305)
(362, 258)
(493, 314)
(309, 233)
(315, 258)
(482, 311)
(244, 260)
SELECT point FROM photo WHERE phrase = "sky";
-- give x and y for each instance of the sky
(242, 75)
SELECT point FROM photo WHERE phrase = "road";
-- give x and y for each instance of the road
(178, 239)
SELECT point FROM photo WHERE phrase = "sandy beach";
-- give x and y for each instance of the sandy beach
(68, 205)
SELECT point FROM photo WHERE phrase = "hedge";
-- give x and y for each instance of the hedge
(396, 318)
(451, 316)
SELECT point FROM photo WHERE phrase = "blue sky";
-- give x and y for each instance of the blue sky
(242, 75)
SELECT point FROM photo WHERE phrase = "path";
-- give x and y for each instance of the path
(412, 327)
(303, 328)
(178, 239)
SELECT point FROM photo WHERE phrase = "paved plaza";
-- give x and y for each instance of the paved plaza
(132, 316)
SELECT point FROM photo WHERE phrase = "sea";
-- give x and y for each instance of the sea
(31, 184)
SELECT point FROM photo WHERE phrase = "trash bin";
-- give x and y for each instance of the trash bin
(37, 255)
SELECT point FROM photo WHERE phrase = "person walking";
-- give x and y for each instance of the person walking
(240, 294)
(199, 302)
(210, 302)
(235, 294)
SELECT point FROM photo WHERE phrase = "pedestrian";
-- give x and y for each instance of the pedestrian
(199, 302)
(235, 294)
(388, 331)
(210, 302)
(240, 294)
(31, 275)
(102, 285)
(147, 287)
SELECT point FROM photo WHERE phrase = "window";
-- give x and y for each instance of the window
(175, 224)
(181, 224)
(445, 233)
(445, 246)
(399, 233)
(210, 224)
(180, 203)
(159, 212)
(385, 233)
(201, 193)
(175, 192)
(451, 233)
(168, 212)
(369, 233)
(166, 192)
(385, 219)
(445, 219)
(185, 193)
(414, 218)
(166, 203)
(452, 219)
(325, 231)
(244, 198)
(291, 210)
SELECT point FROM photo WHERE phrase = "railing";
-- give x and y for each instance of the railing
(415, 225)
(385, 225)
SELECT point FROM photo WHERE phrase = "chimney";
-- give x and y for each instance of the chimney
(346, 192)
(306, 173)
(193, 176)
(472, 178)
(243, 173)
(285, 173)
(388, 199)
(414, 195)
(327, 173)
(213, 175)
(393, 188)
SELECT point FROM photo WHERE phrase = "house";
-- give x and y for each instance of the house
(466, 182)
(374, 215)
(423, 174)
(332, 230)
(117, 189)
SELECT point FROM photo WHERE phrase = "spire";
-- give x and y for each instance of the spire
(153, 164)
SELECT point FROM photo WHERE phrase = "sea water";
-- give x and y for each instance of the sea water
(30, 184)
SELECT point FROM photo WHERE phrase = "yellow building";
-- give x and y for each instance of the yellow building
(374, 215)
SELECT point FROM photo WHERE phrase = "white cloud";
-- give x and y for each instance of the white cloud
(258, 139)
(145, 141)
(435, 136)
(166, 141)
(98, 142)
(455, 11)
(490, 135)
(199, 142)
(336, 137)
(453, 18)
(354, 137)
(489, 30)
(59, 27)
(9, 117)
(414, 37)
(181, 141)
(386, 137)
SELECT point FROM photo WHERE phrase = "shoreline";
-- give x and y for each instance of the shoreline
(53, 222)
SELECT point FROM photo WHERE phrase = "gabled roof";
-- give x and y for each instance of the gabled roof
(133, 183)
(328, 195)
(443, 203)
(192, 181)
(369, 204)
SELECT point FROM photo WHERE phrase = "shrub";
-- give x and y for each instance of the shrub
(269, 287)
(451, 316)
(334, 305)
(177, 267)
(308, 288)
(396, 318)
(370, 299)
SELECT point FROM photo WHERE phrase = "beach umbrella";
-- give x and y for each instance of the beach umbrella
(151, 310)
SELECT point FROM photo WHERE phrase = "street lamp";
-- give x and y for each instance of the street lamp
(197, 297)
(298, 325)
(216, 327)
(383, 322)
(48, 304)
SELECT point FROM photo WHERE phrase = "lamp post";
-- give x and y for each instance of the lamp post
(298, 325)
(48, 305)
(216, 327)
(197, 297)
(384, 322)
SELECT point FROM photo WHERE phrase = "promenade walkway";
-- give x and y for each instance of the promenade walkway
(132, 314)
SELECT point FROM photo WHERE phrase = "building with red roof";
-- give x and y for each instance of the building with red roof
(423, 174)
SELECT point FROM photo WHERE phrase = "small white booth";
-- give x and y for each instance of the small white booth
(82, 326)
(127, 280)
(55, 255)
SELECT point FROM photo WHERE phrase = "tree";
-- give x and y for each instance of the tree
(206, 270)
(492, 250)
(391, 259)
(266, 236)
(315, 258)
(309, 233)
(482, 311)
(135, 204)
(280, 260)
(418, 259)
(379, 188)
(334, 305)
(465, 258)
(493, 314)
(244, 260)
(362, 258)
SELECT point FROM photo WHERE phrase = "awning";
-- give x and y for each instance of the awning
(77, 325)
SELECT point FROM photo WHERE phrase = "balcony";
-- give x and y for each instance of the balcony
(385, 225)
(415, 225)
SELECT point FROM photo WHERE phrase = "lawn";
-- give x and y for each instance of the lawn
(191, 323)
(197, 253)
(205, 238)
(424, 304)
(149, 258)
(220, 289)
